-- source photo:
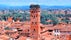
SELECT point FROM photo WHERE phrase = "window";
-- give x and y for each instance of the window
(28, 30)
(34, 30)
(34, 22)
(34, 11)
(50, 33)
(56, 32)
(34, 16)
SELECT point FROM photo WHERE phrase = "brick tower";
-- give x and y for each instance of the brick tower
(35, 21)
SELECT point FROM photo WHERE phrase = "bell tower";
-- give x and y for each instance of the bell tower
(35, 21)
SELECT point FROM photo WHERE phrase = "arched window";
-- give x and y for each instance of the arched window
(34, 22)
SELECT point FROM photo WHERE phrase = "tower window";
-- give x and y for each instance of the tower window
(34, 16)
(33, 11)
(34, 30)
(34, 22)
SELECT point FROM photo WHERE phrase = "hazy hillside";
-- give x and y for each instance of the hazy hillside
(27, 7)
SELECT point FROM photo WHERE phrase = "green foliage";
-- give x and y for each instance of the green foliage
(44, 17)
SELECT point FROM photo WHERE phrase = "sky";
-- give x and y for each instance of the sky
(40, 2)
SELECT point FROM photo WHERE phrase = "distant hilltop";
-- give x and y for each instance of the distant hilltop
(27, 7)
